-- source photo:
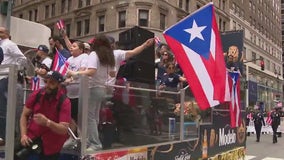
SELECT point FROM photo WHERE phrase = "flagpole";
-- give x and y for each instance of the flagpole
(247, 87)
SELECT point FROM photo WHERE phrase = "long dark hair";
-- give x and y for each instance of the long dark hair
(104, 50)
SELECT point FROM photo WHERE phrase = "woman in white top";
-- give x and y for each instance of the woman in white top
(100, 64)
(77, 62)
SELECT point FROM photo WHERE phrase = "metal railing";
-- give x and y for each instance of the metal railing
(139, 120)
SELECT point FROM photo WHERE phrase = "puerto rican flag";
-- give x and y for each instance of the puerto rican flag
(196, 44)
(235, 103)
(60, 63)
(249, 116)
(269, 119)
(35, 83)
(60, 24)
(157, 40)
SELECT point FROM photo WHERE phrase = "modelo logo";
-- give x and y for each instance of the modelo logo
(226, 139)
(183, 155)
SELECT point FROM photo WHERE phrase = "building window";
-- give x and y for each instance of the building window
(35, 15)
(224, 26)
(63, 4)
(21, 15)
(88, 2)
(87, 26)
(162, 21)
(234, 25)
(69, 5)
(267, 65)
(219, 24)
(223, 4)
(52, 9)
(244, 53)
(79, 28)
(143, 17)
(253, 56)
(101, 23)
(80, 4)
(47, 11)
(187, 5)
(122, 19)
(30, 15)
(180, 3)
(68, 29)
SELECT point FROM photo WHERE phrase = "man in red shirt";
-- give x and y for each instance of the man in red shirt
(43, 119)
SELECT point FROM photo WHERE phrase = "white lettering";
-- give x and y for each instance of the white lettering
(226, 139)
(184, 156)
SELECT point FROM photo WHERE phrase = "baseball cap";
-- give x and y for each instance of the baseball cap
(43, 48)
(55, 76)
(87, 46)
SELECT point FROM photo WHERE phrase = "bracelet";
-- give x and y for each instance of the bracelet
(48, 123)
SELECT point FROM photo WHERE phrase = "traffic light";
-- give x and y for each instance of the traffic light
(262, 65)
(4, 7)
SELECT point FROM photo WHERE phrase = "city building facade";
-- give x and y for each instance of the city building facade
(259, 20)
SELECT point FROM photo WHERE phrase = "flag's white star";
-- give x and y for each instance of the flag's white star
(195, 31)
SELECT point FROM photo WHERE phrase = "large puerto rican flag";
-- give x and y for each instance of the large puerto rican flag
(60, 64)
(196, 44)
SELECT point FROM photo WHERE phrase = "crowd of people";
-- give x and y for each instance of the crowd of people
(45, 114)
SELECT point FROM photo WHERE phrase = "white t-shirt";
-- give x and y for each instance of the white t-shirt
(12, 54)
(47, 61)
(102, 73)
(75, 63)
(119, 56)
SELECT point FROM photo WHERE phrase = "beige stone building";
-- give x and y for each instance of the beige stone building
(84, 18)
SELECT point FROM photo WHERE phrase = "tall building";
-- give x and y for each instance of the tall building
(259, 19)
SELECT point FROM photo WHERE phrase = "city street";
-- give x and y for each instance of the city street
(265, 149)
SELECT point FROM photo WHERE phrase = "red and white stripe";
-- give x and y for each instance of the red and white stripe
(60, 24)
(157, 40)
(269, 119)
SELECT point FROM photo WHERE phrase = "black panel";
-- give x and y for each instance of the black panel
(140, 68)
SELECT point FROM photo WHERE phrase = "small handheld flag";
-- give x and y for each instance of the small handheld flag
(60, 63)
(35, 83)
(157, 40)
(60, 24)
